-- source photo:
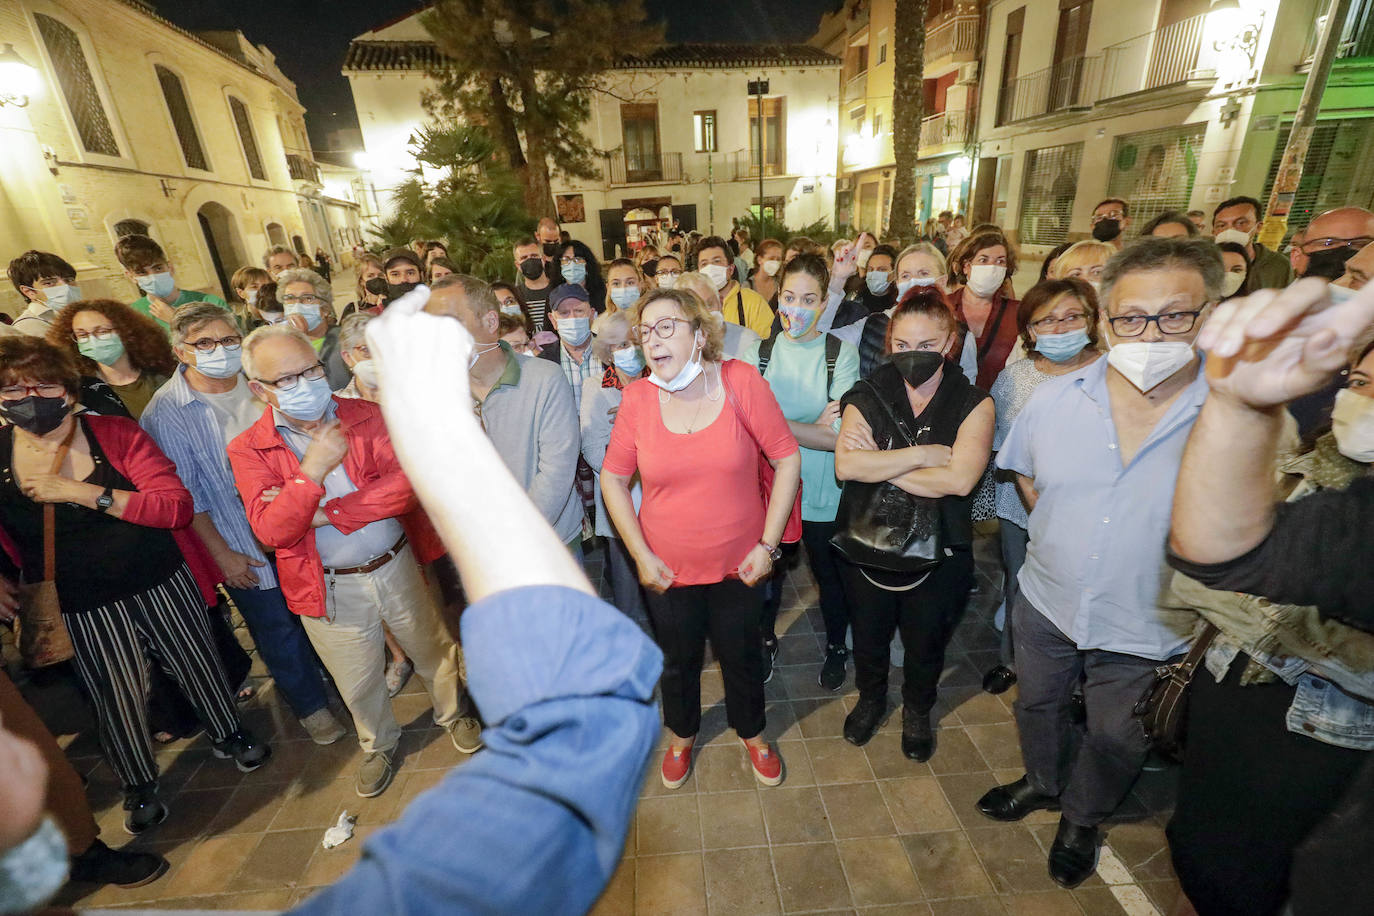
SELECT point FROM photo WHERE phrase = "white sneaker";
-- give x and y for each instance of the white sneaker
(322, 727)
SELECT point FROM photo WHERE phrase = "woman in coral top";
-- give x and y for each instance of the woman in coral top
(703, 538)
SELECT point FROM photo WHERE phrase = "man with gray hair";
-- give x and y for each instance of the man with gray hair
(1096, 452)
(322, 487)
(278, 258)
(193, 418)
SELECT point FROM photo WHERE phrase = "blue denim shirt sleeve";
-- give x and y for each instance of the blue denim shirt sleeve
(536, 822)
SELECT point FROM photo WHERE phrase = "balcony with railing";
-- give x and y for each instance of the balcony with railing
(643, 168)
(945, 129)
(951, 41)
(1067, 84)
(1357, 34)
(856, 87)
(302, 168)
(744, 163)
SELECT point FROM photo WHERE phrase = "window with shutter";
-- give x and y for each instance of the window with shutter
(250, 143)
(1154, 169)
(180, 110)
(78, 86)
(1047, 193)
(1338, 170)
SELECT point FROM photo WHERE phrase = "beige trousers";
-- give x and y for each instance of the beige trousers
(349, 642)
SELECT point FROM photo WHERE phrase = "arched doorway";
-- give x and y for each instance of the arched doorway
(276, 235)
(222, 241)
(127, 227)
(299, 244)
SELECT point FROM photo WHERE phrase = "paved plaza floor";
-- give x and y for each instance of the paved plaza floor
(849, 831)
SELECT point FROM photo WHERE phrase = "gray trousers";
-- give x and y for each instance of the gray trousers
(1014, 539)
(1093, 781)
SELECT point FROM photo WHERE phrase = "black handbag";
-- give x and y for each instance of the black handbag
(883, 527)
(1163, 710)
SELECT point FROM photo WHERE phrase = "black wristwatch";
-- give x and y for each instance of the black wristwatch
(105, 500)
(774, 553)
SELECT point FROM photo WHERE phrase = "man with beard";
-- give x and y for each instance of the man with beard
(404, 270)
(1236, 220)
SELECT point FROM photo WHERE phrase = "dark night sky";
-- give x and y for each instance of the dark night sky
(309, 37)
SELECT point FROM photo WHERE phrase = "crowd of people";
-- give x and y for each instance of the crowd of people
(707, 413)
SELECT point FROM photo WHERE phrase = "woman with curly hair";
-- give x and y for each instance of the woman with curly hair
(127, 350)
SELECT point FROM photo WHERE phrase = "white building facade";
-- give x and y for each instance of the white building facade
(686, 140)
(139, 126)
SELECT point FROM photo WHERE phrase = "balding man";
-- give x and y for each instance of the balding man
(322, 487)
(1333, 238)
(525, 405)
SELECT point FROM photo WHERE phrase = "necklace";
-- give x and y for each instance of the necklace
(665, 398)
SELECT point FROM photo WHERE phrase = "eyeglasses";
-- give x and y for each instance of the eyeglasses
(1168, 323)
(287, 382)
(1329, 242)
(1068, 323)
(98, 334)
(663, 329)
(308, 299)
(1110, 214)
(567, 262)
(668, 273)
(44, 390)
(206, 344)
(362, 350)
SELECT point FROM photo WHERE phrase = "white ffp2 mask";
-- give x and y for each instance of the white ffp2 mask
(1147, 363)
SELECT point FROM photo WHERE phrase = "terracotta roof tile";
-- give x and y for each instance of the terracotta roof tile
(423, 55)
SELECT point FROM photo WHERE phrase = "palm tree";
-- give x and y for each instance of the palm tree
(908, 65)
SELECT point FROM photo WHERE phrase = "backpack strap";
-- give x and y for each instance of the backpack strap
(832, 355)
(739, 306)
(766, 353)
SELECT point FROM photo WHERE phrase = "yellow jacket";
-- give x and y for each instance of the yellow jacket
(747, 308)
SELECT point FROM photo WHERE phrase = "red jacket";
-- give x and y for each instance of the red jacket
(261, 459)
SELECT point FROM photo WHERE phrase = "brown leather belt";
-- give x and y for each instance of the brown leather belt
(370, 565)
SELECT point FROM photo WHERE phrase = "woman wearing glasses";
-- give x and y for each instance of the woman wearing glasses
(703, 537)
(1058, 325)
(308, 303)
(127, 350)
(115, 497)
(580, 266)
(668, 271)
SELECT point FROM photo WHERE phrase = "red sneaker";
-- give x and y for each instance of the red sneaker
(767, 764)
(676, 765)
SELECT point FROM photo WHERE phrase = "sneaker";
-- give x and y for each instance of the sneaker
(374, 774)
(102, 865)
(767, 763)
(677, 764)
(247, 752)
(466, 734)
(770, 657)
(832, 672)
(322, 727)
(397, 675)
(145, 810)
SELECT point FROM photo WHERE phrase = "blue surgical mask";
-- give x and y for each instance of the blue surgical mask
(877, 281)
(574, 273)
(513, 310)
(904, 286)
(219, 362)
(574, 331)
(628, 360)
(307, 401)
(1060, 348)
(58, 296)
(160, 285)
(311, 314)
(625, 296)
(106, 352)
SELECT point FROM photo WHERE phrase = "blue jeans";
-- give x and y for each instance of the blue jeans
(287, 652)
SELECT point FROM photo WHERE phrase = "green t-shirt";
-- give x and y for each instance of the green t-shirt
(187, 295)
(796, 373)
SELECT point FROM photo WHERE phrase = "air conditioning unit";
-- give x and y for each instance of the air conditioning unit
(968, 73)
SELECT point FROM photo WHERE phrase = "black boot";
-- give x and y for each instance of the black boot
(145, 810)
(100, 864)
(1015, 800)
(918, 740)
(861, 724)
(998, 679)
(1073, 857)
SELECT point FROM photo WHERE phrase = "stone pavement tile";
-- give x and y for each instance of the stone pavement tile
(249, 810)
(618, 899)
(1142, 848)
(799, 649)
(800, 681)
(796, 764)
(795, 815)
(836, 760)
(315, 808)
(712, 687)
(191, 813)
(1163, 894)
(999, 744)
(967, 906)
(273, 901)
(739, 882)
(1057, 902)
(430, 749)
(210, 866)
(217, 777)
(415, 783)
(1098, 901)
(670, 884)
(917, 805)
(821, 718)
(279, 860)
(856, 810)
(329, 865)
(878, 871)
(810, 877)
(730, 819)
(378, 810)
(665, 825)
(1012, 857)
(723, 767)
(962, 791)
(884, 753)
(955, 753)
(781, 720)
(896, 909)
(946, 865)
(289, 759)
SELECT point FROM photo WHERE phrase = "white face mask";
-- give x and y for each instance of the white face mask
(771, 267)
(666, 281)
(1233, 235)
(366, 374)
(984, 279)
(1352, 422)
(1147, 363)
(903, 286)
(1231, 284)
(685, 377)
(717, 274)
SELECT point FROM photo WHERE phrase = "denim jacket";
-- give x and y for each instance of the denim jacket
(1331, 665)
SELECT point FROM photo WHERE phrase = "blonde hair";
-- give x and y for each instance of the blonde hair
(1086, 253)
(639, 280)
(925, 248)
(697, 315)
(706, 291)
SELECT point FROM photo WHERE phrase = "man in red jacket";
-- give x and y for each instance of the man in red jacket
(322, 487)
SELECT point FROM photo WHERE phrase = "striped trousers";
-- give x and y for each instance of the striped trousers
(113, 646)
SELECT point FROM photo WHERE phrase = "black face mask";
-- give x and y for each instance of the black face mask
(376, 286)
(917, 366)
(36, 415)
(532, 268)
(650, 267)
(397, 290)
(551, 249)
(1328, 264)
(1107, 230)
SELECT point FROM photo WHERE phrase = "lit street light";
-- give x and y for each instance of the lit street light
(18, 80)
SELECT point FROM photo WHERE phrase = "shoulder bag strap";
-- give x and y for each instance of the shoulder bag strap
(1188, 667)
(734, 406)
(898, 423)
(765, 353)
(50, 512)
(992, 331)
(832, 356)
(739, 306)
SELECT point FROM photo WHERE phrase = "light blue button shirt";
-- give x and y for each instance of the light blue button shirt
(1095, 567)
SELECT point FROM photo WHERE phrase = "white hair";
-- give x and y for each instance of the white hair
(265, 333)
(305, 275)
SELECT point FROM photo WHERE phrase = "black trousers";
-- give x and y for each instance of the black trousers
(730, 613)
(926, 616)
(824, 561)
(1249, 793)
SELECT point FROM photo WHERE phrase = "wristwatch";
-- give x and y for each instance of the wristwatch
(105, 500)
(774, 553)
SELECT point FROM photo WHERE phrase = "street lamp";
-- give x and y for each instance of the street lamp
(18, 80)
(959, 168)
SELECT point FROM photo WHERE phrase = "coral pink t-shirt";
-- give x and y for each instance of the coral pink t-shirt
(702, 513)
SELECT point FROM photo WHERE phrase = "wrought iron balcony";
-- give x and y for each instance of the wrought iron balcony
(302, 168)
(643, 168)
